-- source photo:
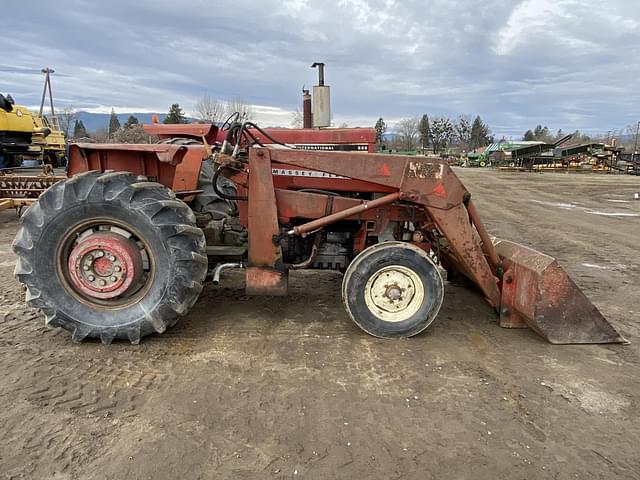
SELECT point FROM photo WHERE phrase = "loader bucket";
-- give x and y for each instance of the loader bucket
(538, 293)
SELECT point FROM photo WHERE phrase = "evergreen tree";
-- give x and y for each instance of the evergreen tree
(528, 136)
(131, 121)
(175, 115)
(480, 134)
(79, 131)
(381, 128)
(425, 131)
(114, 123)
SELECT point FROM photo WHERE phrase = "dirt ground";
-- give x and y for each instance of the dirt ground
(290, 388)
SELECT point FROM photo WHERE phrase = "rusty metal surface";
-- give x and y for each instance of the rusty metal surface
(487, 245)
(346, 213)
(383, 170)
(155, 161)
(178, 167)
(167, 153)
(104, 265)
(455, 226)
(263, 227)
(431, 181)
(306, 109)
(188, 171)
(294, 204)
(324, 137)
(190, 130)
(539, 293)
(292, 177)
(266, 281)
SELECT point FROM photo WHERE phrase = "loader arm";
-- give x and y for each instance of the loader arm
(526, 287)
(430, 183)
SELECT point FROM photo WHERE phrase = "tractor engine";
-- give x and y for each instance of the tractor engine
(330, 250)
(226, 237)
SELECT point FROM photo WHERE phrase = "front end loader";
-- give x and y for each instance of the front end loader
(122, 248)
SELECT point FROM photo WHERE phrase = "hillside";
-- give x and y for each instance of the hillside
(95, 121)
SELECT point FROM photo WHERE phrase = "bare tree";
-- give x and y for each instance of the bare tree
(210, 110)
(463, 131)
(132, 134)
(633, 133)
(296, 119)
(239, 105)
(442, 132)
(66, 119)
(100, 135)
(409, 129)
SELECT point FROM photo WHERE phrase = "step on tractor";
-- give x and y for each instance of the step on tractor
(122, 248)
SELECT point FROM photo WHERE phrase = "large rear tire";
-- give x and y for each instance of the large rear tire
(105, 255)
(393, 289)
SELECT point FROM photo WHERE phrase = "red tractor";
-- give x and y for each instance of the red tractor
(122, 248)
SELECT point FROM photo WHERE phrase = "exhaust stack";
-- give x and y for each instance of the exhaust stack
(321, 100)
(306, 109)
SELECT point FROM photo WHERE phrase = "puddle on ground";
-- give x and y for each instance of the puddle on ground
(566, 206)
(571, 206)
(591, 265)
(611, 214)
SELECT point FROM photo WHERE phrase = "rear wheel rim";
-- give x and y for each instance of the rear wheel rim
(105, 264)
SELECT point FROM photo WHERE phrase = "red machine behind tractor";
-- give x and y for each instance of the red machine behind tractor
(122, 248)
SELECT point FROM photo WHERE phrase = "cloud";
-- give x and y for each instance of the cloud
(565, 63)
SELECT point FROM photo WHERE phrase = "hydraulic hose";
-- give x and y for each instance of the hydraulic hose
(253, 125)
(228, 120)
(220, 193)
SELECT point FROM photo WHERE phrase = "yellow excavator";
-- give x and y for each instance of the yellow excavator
(28, 139)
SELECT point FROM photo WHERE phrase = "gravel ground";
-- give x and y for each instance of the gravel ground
(289, 388)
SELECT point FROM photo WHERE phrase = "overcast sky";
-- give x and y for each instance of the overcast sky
(570, 64)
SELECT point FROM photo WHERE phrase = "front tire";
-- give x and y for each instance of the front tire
(393, 289)
(105, 255)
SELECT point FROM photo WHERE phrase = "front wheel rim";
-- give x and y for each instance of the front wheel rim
(394, 293)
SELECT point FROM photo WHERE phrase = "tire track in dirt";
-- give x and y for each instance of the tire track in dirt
(60, 442)
(79, 385)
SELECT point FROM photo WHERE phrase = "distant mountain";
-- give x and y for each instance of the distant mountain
(94, 121)
(390, 136)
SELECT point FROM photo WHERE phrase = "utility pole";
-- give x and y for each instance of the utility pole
(47, 85)
(635, 149)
